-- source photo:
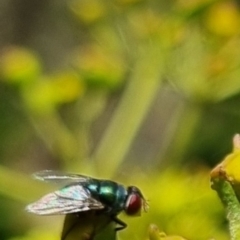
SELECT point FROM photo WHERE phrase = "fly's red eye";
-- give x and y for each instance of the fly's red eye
(133, 204)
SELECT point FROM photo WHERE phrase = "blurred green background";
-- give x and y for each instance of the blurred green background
(144, 92)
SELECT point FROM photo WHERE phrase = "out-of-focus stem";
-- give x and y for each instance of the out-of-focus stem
(58, 139)
(189, 118)
(138, 96)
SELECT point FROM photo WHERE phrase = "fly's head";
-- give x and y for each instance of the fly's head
(135, 202)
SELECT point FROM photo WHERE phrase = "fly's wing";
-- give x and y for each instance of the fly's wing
(59, 177)
(71, 199)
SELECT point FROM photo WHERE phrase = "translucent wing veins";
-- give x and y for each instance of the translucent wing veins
(71, 199)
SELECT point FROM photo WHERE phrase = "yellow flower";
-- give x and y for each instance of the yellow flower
(223, 19)
(19, 65)
(50, 91)
(230, 166)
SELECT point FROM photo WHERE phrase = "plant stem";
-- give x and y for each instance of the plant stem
(232, 206)
(58, 139)
(138, 96)
(190, 116)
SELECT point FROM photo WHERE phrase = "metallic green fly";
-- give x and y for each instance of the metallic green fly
(85, 194)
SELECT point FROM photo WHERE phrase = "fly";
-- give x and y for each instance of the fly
(82, 193)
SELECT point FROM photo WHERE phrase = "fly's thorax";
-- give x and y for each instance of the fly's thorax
(107, 192)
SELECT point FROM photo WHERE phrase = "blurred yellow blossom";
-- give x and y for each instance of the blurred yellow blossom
(223, 19)
(50, 91)
(99, 68)
(145, 22)
(87, 11)
(67, 87)
(155, 234)
(19, 65)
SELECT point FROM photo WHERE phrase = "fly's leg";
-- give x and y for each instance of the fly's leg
(119, 222)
